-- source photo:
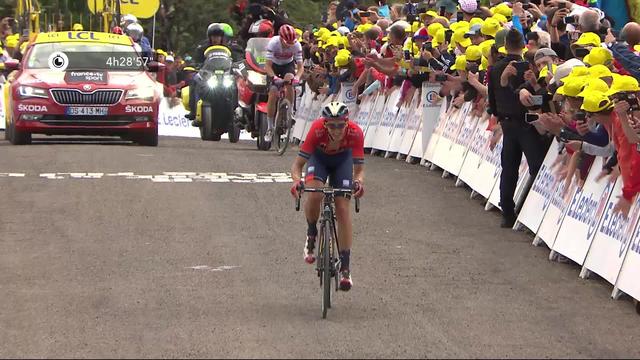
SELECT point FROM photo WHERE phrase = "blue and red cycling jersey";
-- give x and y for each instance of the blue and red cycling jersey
(318, 140)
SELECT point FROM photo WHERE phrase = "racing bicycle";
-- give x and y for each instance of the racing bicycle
(283, 118)
(328, 261)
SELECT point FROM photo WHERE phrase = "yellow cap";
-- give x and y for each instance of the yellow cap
(486, 47)
(476, 20)
(189, 68)
(439, 38)
(161, 52)
(490, 27)
(460, 25)
(623, 83)
(342, 58)
(460, 64)
(484, 65)
(599, 71)
(12, 41)
(596, 101)
(501, 19)
(332, 41)
(579, 71)
(320, 32)
(545, 71)
(459, 39)
(423, 16)
(433, 29)
(473, 53)
(598, 56)
(636, 48)
(594, 84)
(572, 85)
(77, 27)
(588, 38)
(503, 9)
(502, 50)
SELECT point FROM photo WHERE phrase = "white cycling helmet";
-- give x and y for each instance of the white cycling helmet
(128, 19)
(135, 31)
(335, 110)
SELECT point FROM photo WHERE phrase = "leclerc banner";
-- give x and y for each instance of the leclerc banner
(143, 9)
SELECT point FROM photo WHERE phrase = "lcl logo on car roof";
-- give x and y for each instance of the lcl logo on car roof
(86, 87)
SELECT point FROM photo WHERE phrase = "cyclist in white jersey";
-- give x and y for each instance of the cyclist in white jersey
(284, 60)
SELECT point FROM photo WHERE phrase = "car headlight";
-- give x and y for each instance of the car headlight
(143, 93)
(256, 78)
(27, 92)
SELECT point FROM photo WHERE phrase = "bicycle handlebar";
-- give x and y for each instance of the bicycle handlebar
(330, 191)
(280, 82)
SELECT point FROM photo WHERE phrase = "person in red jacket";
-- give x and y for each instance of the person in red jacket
(599, 107)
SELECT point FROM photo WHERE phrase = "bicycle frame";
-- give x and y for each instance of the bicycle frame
(328, 264)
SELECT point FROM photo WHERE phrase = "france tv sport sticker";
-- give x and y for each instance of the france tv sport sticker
(58, 61)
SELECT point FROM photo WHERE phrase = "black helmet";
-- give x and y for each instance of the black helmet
(215, 29)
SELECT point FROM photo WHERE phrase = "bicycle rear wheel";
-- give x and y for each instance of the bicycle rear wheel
(283, 126)
(326, 269)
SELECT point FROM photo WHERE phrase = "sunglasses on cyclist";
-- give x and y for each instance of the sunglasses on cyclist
(335, 126)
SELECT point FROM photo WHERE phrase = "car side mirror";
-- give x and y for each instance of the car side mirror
(12, 65)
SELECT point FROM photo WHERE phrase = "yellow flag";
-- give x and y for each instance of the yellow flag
(142, 9)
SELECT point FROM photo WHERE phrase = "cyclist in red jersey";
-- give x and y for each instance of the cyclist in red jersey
(334, 151)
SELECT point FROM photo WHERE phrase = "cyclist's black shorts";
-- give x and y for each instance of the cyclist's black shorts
(282, 70)
(338, 168)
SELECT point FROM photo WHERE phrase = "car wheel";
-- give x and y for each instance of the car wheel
(150, 139)
(18, 137)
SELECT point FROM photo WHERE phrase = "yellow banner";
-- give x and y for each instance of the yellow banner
(82, 36)
(142, 9)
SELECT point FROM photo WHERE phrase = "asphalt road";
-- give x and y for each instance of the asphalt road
(104, 254)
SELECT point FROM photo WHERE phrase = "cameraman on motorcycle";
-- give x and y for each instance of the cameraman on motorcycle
(284, 61)
(217, 34)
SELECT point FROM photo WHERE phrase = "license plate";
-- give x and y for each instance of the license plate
(87, 110)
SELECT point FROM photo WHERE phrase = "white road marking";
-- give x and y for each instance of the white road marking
(168, 177)
(209, 268)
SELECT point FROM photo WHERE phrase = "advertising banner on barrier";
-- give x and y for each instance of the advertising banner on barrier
(314, 112)
(448, 154)
(171, 121)
(611, 242)
(473, 161)
(444, 117)
(433, 119)
(557, 204)
(537, 202)
(523, 177)
(3, 114)
(585, 211)
(413, 124)
(630, 272)
(364, 112)
(399, 127)
(302, 113)
(383, 133)
(385, 126)
(375, 119)
(348, 96)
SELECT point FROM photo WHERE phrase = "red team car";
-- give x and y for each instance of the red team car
(82, 83)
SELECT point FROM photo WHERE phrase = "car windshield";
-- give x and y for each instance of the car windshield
(84, 56)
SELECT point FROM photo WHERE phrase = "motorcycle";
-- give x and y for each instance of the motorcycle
(253, 91)
(216, 90)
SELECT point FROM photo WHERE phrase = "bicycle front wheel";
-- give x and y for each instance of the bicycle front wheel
(326, 269)
(283, 126)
